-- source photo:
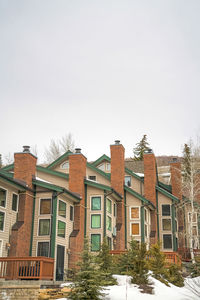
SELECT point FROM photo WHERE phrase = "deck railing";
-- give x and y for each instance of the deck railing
(186, 255)
(12, 268)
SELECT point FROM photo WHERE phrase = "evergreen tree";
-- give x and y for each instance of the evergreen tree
(87, 282)
(140, 269)
(157, 263)
(104, 260)
(1, 161)
(125, 263)
(195, 268)
(140, 148)
(174, 275)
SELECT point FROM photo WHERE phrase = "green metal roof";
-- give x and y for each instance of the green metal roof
(138, 196)
(167, 194)
(12, 181)
(59, 159)
(8, 167)
(51, 172)
(102, 187)
(101, 159)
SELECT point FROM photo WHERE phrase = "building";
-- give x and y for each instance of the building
(47, 211)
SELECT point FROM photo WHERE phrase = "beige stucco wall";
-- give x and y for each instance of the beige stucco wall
(10, 216)
(99, 178)
(53, 179)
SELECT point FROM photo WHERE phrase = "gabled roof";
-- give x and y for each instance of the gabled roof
(16, 183)
(134, 175)
(59, 159)
(100, 159)
(76, 197)
(140, 197)
(8, 167)
(165, 186)
(167, 194)
(102, 173)
(51, 172)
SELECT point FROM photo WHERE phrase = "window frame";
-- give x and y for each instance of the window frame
(5, 199)
(71, 213)
(37, 248)
(171, 240)
(17, 202)
(65, 162)
(163, 219)
(108, 169)
(64, 231)
(50, 207)
(95, 196)
(108, 200)
(4, 220)
(91, 221)
(131, 214)
(109, 218)
(64, 217)
(162, 210)
(126, 176)
(42, 219)
(1, 248)
(135, 222)
(92, 176)
(93, 234)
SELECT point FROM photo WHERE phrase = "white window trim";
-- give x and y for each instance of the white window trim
(17, 202)
(92, 179)
(62, 218)
(163, 241)
(130, 180)
(162, 225)
(41, 215)
(66, 235)
(107, 230)
(170, 210)
(91, 203)
(1, 248)
(108, 168)
(6, 197)
(98, 167)
(193, 222)
(99, 214)
(61, 166)
(72, 214)
(135, 222)
(42, 242)
(110, 214)
(4, 222)
(134, 219)
(49, 226)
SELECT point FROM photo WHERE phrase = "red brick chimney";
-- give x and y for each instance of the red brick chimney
(176, 183)
(117, 182)
(77, 174)
(24, 170)
(150, 180)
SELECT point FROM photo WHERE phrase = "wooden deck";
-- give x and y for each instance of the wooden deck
(13, 268)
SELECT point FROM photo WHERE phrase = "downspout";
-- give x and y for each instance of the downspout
(157, 213)
(104, 215)
(142, 222)
(125, 216)
(32, 227)
(53, 225)
(85, 223)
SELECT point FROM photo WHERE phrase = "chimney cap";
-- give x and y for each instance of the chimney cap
(26, 149)
(174, 159)
(117, 142)
(77, 150)
(148, 151)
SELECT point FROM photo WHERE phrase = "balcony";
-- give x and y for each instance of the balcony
(13, 268)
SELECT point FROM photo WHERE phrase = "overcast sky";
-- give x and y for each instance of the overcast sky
(101, 70)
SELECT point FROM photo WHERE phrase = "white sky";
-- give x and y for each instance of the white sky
(102, 70)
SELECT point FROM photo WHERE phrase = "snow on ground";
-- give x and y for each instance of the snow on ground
(127, 291)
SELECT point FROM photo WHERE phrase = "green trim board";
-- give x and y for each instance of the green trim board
(51, 172)
(167, 194)
(138, 196)
(142, 223)
(8, 167)
(104, 214)
(165, 186)
(134, 175)
(59, 159)
(102, 187)
(13, 182)
(56, 188)
(33, 219)
(102, 173)
(104, 157)
(7, 174)
(53, 225)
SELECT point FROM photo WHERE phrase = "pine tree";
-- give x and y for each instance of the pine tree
(157, 263)
(87, 282)
(195, 268)
(174, 275)
(104, 260)
(140, 269)
(140, 148)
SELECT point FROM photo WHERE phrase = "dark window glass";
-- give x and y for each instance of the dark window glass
(14, 202)
(62, 209)
(92, 177)
(71, 213)
(43, 249)
(128, 180)
(166, 210)
(95, 242)
(45, 206)
(44, 227)
(96, 203)
(61, 229)
(167, 241)
(166, 223)
(115, 210)
(2, 216)
(109, 206)
(95, 221)
(109, 243)
(2, 197)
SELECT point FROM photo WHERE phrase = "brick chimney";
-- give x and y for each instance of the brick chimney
(77, 174)
(150, 180)
(24, 170)
(117, 182)
(176, 183)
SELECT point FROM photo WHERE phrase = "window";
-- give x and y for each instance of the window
(14, 202)
(166, 211)
(128, 180)
(135, 213)
(1, 248)
(96, 203)
(101, 167)
(167, 241)
(108, 223)
(92, 177)
(194, 217)
(71, 213)
(2, 217)
(44, 226)
(3, 197)
(109, 240)
(146, 230)
(43, 249)
(62, 209)
(135, 228)
(108, 167)
(145, 215)
(45, 206)
(61, 229)
(194, 230)
(108, 206)
(65, 165)
(166, 224)
(95, 221)
(95, 242)
(115, 210)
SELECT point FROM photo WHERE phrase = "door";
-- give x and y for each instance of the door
(60, 262)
